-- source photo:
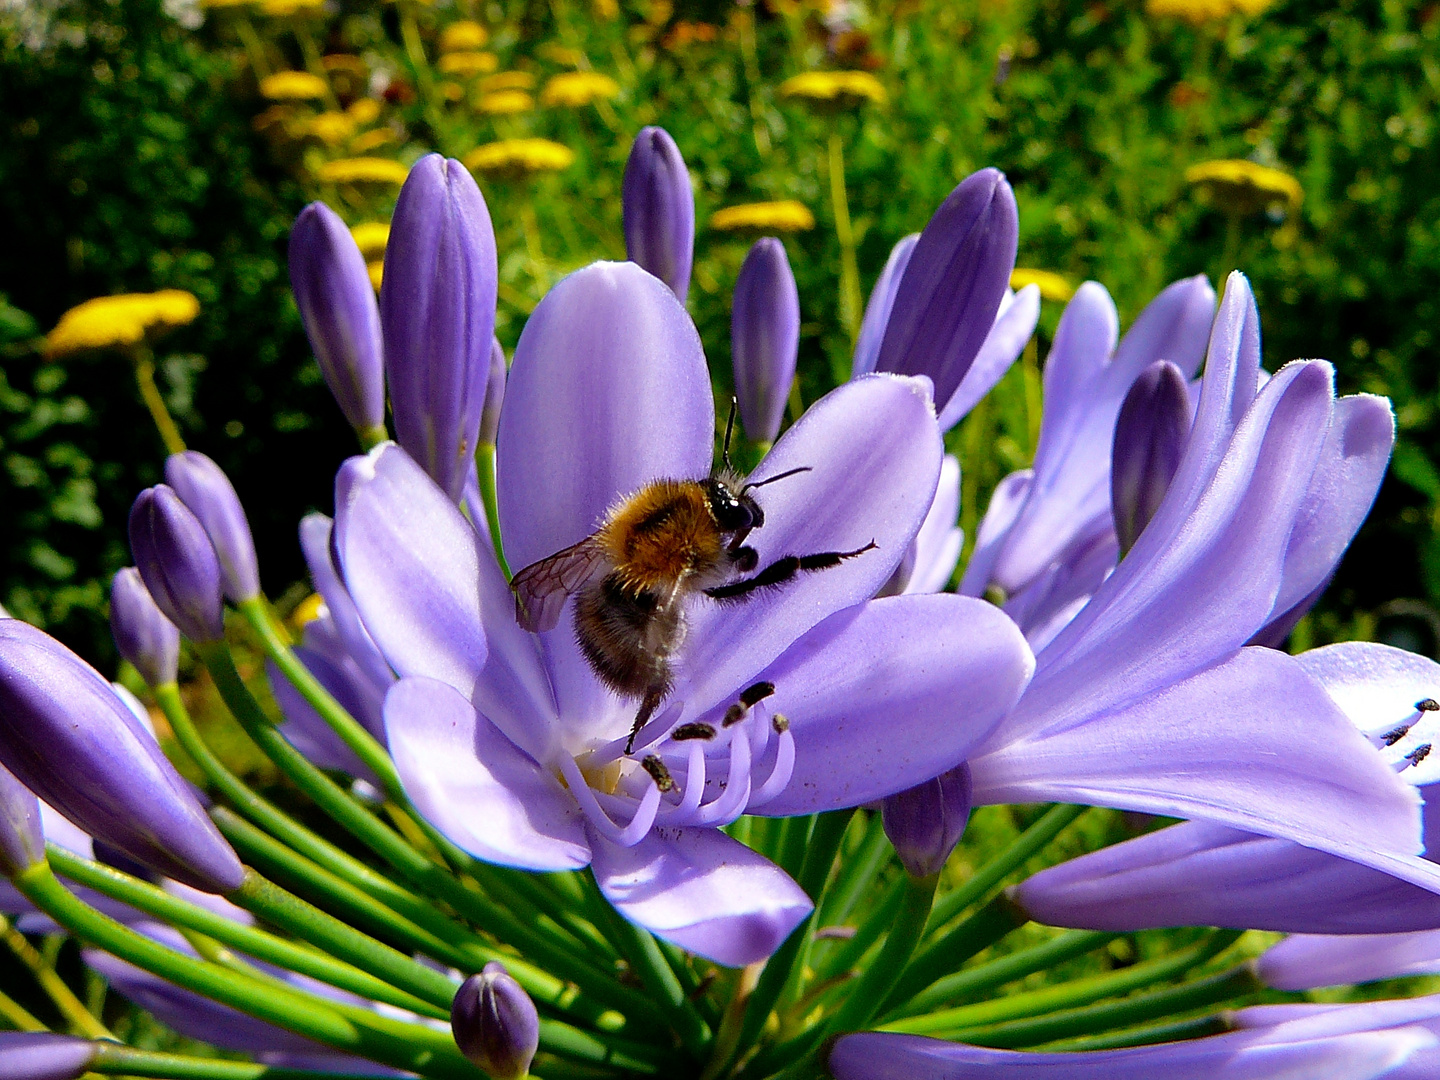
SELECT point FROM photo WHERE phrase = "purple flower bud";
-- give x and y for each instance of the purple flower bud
(337, 304)
(40, 1055)
(177, 563)
(142, 633)
(764, 337)
(22, 841)
(926, 822)
(438, 301)
(658, 207)
(495, 1023)
(1150, 435)
(952, 287)
(877, 308)
(208, 494)
(68, 738)
(494, 395)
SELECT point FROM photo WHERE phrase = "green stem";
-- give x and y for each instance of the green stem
(485, 468)
(371, 437)
(825, 838)
(17, 1016)
(71, 1008)
(981, 930)
(154, 402)
(111, 1058)
(857, 874)
(1175, 1031)
(850, 303)
(415, 53)
(875, 924)
(254, 50)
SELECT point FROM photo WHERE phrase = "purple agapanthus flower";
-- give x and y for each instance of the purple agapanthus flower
(509, 743)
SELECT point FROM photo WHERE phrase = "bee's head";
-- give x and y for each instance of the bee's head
(734, 509)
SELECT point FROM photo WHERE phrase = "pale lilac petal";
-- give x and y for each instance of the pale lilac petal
(307, 730)
(41, 1055)
(874, 453)
(937, 545)
(316, 534)
(1045, 607)
(475, 785)
(702, 891)
(1310, 961)
(1005, 506)
(1014, 326)
(890, 693)
(877, 309)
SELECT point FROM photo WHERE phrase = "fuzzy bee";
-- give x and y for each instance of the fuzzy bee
(670, 540)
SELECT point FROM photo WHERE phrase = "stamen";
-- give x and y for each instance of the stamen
(730, 804)
(1394, 735)
(781, 723)
(753, 695)
(648, 736)
(693, 791)
(626, 836)
(779, 776)
(733, 715)
(1419, 754)
(692, 731)
(1428, 704)
(658, 772)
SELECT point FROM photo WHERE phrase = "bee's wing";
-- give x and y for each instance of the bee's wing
(542, 588)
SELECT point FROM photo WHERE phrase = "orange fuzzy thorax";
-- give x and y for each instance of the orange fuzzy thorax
(661, 535)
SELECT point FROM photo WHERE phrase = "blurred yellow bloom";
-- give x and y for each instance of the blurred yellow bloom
(606, 9)
(332, 128)
(1053, 286)
(839, 88)
(346, 62)
(1197, 12)
(281, 8)
(1243, 187)
(468, 64)
(505, 102)
(307, 611)
(371, 238)
(463, 35)
(377, 272)
(450, 91)
(575, 89)
(110, 321)
(364, 111)
(293, 86)
(559, 54)
(508, 80)
(519, 158)
(372, 140)
(786, 215)
(363, 170)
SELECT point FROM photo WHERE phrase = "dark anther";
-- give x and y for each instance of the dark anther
(734, 714)
(781, 723)
(1419, 754)
(835, 933)
(1394, 735)
(657, 770)
(1429, 704)
(692, 731)
(753, 695)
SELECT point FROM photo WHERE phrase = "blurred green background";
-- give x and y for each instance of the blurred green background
(138, 152)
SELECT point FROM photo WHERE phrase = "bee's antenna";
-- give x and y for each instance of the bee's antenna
(729, 430)
(772, 479)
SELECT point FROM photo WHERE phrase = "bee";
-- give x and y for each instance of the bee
(670, 540)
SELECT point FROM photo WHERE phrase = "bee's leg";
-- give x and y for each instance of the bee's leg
(781, 571)
(648, 705)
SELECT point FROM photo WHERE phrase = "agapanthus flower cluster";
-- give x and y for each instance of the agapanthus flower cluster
(615, 761)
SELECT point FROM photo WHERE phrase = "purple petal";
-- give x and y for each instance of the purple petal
(316, 536)
(1006, 503)
(475, 785)
(1046, 606)
(877, 309)
(207, 492)
(307, 730)
(937, 545)
(1014, 326)
(874, 452)
(890, 693)
(702, 891)
(1150, 434)
(39, 1055)
(658, 207)
(1310, 961)
(764, 337)
(22, 845)
(142, 633)
(177, 563)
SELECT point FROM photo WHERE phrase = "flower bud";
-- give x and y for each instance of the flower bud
(142, 633)
(438, 306)
(764, 337)
(68, 738)
(177, 563)
(494, 394)
(1150, 435)
(926, 822)
(958, 272)
(877, 308)
(208, 494)
(22, 841)
(658, 207)
(495, 1023)
(41, 1055)
(337, 304)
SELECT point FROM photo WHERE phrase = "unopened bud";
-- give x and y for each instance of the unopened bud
(658, 207)
(208, 494)
(142, 633)
(494, 394)
(22, 841)
(926, 822)
(1150, 435)
(495, 1023)
(177, 563)
(764, 337)
(41, 1055)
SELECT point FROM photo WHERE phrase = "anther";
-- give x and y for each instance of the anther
(1428, 704)
(1394, 735)
(734, 714)
(692, 731)
(1419, 754)
(658, 772)
(753, 695)
(781, 723)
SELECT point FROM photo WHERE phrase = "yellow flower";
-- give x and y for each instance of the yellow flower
(1243, 187)
(508, 80)
(372, 140)
(281, 8)
(1197, 12)
(505, 102)
(468, 64)
(364, 111)
(605, 9)
(346, 62)
(842, 89)
(1053, 286)
(516, 159)
(462, 36)
(111, 321)
(377, 272)
(293, 86)
(363, 170)
(575, 89)
(786, 215)
(371, 238)
(307, 611)
(332, 128)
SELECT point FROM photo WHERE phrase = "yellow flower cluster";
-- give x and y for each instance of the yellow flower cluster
(111, 321)
(463, 36)
(576, 89)
(519, 158)
(332, 128)
(1243, 187)
(840, 88)
(363, 170)
(1053, 286)
(293, 86)
(508, 80)
(371, 238)
(280, 8)
(468, 64)
(786, 215)
(1197, 12)
(505, 102)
